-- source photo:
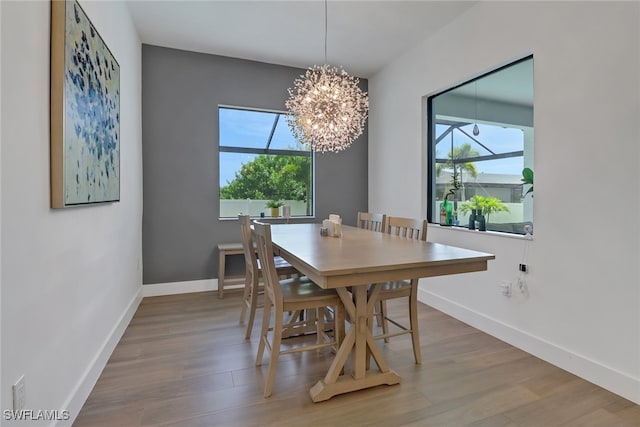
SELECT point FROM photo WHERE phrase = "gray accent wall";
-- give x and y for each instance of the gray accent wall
(181, 92)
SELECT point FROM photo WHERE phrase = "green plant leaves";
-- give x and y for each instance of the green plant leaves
(487, 205)
(527, 178)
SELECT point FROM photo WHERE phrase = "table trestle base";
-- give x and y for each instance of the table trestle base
(346, 384)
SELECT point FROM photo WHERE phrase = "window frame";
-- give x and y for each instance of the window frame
(265, 151)
(430, 143)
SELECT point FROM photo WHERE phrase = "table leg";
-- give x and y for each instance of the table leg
(359, 341)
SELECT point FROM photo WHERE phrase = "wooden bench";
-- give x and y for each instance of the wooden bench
(225, 249)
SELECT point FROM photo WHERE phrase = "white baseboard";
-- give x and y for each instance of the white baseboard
(604, 376)
(173, 288)
(89, 378)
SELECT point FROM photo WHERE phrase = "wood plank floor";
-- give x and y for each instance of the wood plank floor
(183, 361)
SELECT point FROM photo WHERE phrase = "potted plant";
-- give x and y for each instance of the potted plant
(490, 205)
(472, 206)
(274, 205)
(483, 206)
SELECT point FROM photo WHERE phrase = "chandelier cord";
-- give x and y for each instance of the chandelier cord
(476, 103)
(325, 31)
(327, 109)
(476, 129)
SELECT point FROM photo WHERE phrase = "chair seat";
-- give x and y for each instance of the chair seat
(395, 285)
(301, 287)
(280, 262)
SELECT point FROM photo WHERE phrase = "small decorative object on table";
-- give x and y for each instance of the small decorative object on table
(333, 226)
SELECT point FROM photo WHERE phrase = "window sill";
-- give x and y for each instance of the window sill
(271, 218)
(486, 233)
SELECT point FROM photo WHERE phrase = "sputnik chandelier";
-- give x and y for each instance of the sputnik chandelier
(327, 109)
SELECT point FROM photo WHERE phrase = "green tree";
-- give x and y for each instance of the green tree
(298, 170)
(456, 167)
(271, 177)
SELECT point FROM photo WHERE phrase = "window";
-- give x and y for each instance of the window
(260, 161)
(480, 138)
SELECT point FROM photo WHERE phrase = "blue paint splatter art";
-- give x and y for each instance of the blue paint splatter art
(92, 114)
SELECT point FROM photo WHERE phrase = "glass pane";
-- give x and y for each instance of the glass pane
(245, 128)
(492, 179)
(248, 181)
(283, 139)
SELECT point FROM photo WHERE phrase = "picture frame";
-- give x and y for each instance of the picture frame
(85, 111)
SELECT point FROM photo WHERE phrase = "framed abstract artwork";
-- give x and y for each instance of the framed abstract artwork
(85, 111)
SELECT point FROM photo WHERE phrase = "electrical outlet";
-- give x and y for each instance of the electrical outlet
(505, 288)
(522, 285)
(19, 395)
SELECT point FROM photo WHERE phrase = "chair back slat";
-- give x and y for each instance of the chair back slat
(406, 227)
(371, 221)
(247, 245)
(262, 236)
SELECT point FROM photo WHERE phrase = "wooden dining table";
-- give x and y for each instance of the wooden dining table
(363, 259)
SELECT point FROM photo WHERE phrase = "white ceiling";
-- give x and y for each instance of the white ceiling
(363, 36)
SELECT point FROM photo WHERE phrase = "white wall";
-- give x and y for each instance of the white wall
(71, 279)
(583, 311)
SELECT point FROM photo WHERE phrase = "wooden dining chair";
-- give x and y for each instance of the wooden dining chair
(370, 221)
(294, 294)
(412, 229)
(253, 283)
(374, 222)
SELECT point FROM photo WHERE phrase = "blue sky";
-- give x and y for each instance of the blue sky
(247, 128)
(497, 138)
